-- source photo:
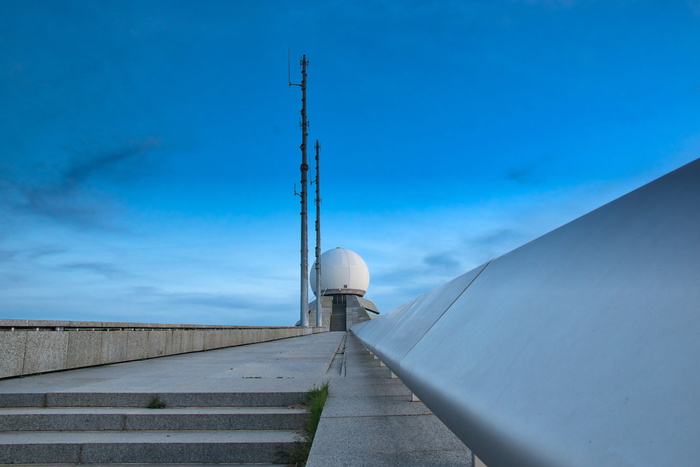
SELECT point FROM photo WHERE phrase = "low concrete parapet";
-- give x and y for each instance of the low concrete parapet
(39, 346)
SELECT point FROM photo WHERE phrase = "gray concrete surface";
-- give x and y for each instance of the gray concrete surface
(30, 347)
(144, 447)
(223, 406)
(287, 365)
(12, 348)
(128, 418)
(369, 419)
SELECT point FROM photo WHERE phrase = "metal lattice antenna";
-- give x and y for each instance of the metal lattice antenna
(319, 291)
(304, 286)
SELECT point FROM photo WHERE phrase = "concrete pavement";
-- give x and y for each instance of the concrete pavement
(369, 419)
(287, 365)
(231, 406)
(94, 414)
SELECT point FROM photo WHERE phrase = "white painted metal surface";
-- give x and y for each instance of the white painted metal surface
(579, 348)
(405, 326)
(343, 270)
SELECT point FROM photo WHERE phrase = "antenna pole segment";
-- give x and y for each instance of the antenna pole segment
(304, 298)
(319, 294)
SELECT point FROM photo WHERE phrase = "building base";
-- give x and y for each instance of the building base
(342, 311)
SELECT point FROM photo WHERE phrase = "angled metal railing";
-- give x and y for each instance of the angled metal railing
(579, 348)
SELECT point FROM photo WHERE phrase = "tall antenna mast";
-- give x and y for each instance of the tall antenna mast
(319, 291)
(304, 299)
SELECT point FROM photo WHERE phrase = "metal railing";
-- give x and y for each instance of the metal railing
(577, 349)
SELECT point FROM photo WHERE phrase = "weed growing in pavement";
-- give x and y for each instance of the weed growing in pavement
(314, 401)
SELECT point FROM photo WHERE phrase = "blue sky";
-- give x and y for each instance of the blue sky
(150, 148)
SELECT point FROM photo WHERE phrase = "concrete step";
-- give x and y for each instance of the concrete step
(256, 464)
(143, 399)
(143, 447)
(117, 419)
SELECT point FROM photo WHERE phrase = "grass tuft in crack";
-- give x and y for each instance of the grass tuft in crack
(314, 401)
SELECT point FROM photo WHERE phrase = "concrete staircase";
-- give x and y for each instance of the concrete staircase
(118, 428)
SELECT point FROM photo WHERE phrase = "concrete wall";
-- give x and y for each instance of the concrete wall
(354, 311)
(29, 347)
(326, 309)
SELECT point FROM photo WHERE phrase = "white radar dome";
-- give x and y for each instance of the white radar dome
(342, 272)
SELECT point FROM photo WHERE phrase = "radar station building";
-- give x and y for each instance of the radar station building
(344, 282)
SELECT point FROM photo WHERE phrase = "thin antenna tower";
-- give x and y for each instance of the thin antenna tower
(304, 299)
(319, 292)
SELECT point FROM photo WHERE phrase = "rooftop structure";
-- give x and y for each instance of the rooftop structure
(344, 272)
(344, 281)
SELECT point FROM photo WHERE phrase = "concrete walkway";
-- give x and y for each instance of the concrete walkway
(288, 365)
(369, 419)
(222, 407)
